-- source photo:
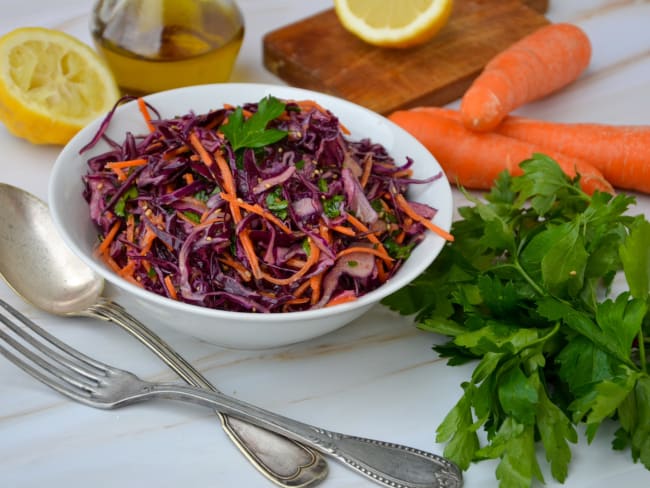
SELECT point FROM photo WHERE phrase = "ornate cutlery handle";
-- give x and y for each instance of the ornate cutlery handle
(388, 464)
(283, 461)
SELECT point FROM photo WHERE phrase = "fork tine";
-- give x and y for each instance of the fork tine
(81, 361)
(51, 381)
(52, 366)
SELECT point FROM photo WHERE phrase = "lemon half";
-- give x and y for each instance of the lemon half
(394, 23)
(51, 85)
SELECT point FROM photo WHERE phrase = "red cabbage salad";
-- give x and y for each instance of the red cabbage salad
(263, 207)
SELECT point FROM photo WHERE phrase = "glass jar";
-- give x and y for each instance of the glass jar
(154, 45)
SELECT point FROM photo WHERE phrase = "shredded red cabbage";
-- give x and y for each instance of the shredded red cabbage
(168, 223)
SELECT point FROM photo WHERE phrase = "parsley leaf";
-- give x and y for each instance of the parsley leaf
(120, 205)
(252, 132)
(332, 206)
(277, 204)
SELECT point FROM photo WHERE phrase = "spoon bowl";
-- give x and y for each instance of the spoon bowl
(36, 263)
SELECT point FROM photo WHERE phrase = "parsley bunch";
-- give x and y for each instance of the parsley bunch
(526, 291)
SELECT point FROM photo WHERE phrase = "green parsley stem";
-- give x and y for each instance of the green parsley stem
(516, 266)
(642, 356)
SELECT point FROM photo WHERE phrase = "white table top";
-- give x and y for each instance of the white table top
(377, 377)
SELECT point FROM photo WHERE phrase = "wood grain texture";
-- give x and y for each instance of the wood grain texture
(319, 54)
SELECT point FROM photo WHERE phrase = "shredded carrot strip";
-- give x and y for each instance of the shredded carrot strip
(400, 237)
(249, 249)
(381, 271)
(130, 228)
(118, 166)
(344, 230)
(145, 113)
(170, 287)
(341, 298)
(226, 174)
(324, 232)
(121, 175)
(310, 104)
(147, 241)
(237, 266)
(127, 271)
(302, 289)
(369, 250)
(315, 284)
(408, 210)
(257, 209)
(111, 263)
(369, 235)
(367, 168)
(189, 178)
(314, 255)
(201, 151)
(172, 153)
(295, 262)
(126, 164)
(103, 247)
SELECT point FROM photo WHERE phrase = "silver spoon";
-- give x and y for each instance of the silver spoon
(40, 268)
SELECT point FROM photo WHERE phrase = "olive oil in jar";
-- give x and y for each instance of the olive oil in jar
(154, 45)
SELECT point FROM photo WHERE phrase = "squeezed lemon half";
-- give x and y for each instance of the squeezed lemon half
(51, 85)
(394, 23)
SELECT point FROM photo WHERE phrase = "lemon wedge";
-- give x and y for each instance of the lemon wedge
(51, 85)
(394, 23)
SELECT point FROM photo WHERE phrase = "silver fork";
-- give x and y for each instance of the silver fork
(99, 385)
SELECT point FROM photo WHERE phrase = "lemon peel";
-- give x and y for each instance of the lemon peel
(394, 23)
(51, 85)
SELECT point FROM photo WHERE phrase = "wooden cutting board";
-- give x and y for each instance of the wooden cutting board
(319, 54)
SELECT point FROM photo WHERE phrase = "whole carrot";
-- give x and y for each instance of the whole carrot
(620, 152)
(533, 67)
(474, 159)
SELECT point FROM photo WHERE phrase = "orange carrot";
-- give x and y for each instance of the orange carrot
(249, 249)
(370, 250)
(237, 266)
(103, 247)
(341, 229)
(474, 160)
(171, 289)
(408, 210)
(343, 297)
(118, 166)
(619, 152)
(314, 255)
(368, 235)
(315, 283)
(257, 209)
(126, 164)
(142, 105)
(531, 68)
(302, 289)
(367, 169)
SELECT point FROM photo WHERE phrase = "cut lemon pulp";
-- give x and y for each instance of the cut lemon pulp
(394, 23)
(51, 85)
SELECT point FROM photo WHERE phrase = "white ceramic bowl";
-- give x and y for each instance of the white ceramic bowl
(237, 329)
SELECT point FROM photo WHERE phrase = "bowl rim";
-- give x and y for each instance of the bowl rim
(443, 215)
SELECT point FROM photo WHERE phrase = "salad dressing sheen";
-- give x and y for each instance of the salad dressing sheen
(154, 45)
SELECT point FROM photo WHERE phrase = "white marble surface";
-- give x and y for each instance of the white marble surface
(377, 377)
